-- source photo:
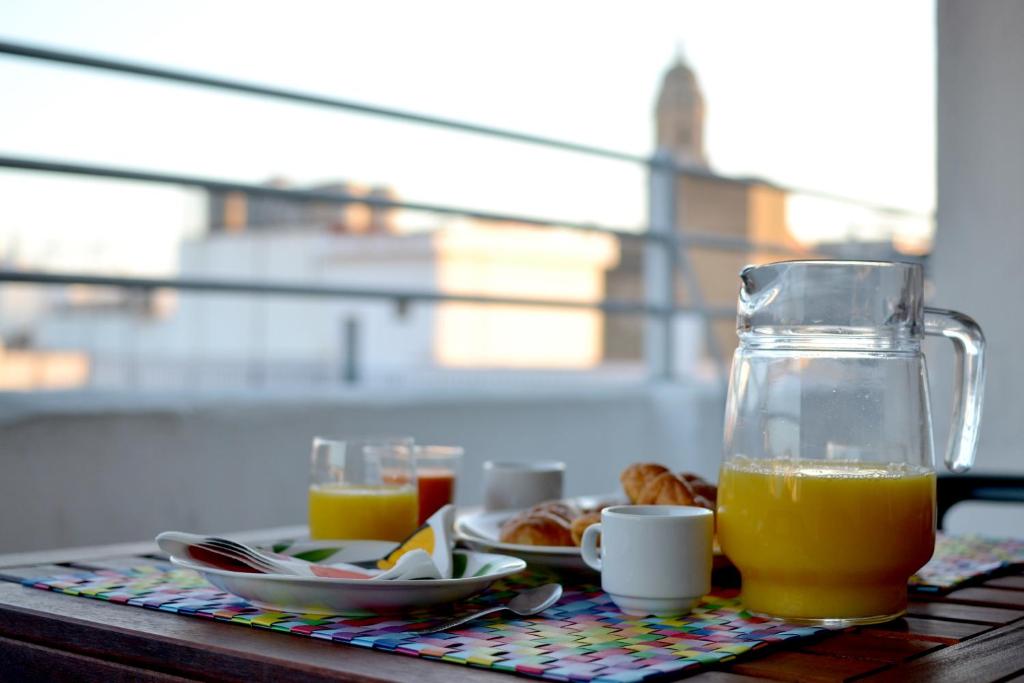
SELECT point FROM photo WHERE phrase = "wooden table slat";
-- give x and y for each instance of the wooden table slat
(996, 597)
(860, 645)
(1013, 582)
(990, 656)
(21, 661)
(35, 571)
(138, 547)
(722, 677)
(787, 665)
(938, 630)
(995, 616)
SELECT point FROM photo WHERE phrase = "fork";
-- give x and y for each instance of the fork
(221, 551)
(261, 560)
(234, 556)
(247, 555)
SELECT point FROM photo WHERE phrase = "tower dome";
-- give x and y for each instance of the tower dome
(680, 115)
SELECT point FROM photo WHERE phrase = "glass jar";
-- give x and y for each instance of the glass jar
(826, 502)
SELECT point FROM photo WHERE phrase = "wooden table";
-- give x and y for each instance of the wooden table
(973, 634)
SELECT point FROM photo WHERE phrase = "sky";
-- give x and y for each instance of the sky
(830, 96)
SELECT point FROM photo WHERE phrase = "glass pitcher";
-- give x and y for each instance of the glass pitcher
(826, 502)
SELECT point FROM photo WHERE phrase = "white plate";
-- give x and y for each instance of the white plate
(482, 532)
(316, 595)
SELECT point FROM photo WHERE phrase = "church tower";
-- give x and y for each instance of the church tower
(680, 115)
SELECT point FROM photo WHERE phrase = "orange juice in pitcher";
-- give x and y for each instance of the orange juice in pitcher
(820, 537)
(826, 500)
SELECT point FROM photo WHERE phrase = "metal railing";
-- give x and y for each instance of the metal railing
(401, 298)
(667, 246)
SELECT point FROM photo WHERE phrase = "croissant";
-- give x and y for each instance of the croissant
(559, 508)
(536, 527)
(635, 477)
(580, 524)
(701, 487)
(653, 484)
(666, 489)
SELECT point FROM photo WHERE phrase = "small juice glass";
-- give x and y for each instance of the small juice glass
(437, 470)
(362, 488)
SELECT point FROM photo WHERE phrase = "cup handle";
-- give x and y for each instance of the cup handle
(588, 547)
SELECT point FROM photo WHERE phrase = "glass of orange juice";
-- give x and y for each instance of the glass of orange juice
(362, 488)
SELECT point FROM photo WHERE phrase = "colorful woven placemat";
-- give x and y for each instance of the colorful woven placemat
(583, 638)
(959, 559)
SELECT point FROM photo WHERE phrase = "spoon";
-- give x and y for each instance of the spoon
(525, 604)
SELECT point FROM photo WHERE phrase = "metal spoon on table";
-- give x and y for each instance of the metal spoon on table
(527, 603)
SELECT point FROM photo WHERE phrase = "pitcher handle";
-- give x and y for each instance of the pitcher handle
(969, 385)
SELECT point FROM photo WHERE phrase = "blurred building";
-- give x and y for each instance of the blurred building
(679, 116)
(382, 341)
(33, 370)
(235, 211)
(707, 204)
(238, 341)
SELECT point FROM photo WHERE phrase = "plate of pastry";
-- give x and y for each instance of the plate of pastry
(548, 534)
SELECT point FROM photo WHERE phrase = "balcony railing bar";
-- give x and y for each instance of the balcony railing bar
(295, 194)
(688, 239)
(400, 297)
(122, 66)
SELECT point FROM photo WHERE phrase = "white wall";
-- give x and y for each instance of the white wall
(979, 246)
(78, 469)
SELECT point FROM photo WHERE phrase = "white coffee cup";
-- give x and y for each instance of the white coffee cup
(653, 559)
(514, 485)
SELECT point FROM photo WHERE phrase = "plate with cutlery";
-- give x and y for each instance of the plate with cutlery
(332, 577)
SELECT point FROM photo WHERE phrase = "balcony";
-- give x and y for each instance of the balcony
(487, 319)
